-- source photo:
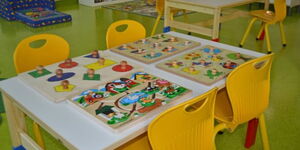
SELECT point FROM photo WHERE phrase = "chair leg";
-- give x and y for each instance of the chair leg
(155, 24)
(282, 34)
(38, 136)
(268, 38)
(247, 31)
(251, 133)
(263, 132)
(260, 31)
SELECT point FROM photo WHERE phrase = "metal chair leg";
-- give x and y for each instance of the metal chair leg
(155, 24)
(263, 132)
(268, 38)
(282, 33)
(247, 32)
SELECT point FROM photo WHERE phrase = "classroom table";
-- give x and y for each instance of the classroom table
(75, 129)
(211, 7)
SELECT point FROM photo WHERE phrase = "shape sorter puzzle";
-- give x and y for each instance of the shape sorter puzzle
(154, 48)
(206, 65)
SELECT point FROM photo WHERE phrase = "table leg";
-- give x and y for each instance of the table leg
(15, 119)
(216, 25)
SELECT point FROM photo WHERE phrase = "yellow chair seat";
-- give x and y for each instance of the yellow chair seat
(264, 15)
(223, 109)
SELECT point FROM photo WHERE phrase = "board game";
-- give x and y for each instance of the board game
(118, 103)
(63, 79)
(206, 65)
(154, 48)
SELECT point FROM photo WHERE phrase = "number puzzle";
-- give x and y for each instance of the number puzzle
(128, 98)
(207, 65)
(63, 79)
(154, 48)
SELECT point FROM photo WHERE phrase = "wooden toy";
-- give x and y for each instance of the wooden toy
(40, 71)
(94, 54)
(154, 48)
(64, 86)
(90, 75)
(206, 65)
(128, 98)
(49, 80)
(68, 64)
(122, 67)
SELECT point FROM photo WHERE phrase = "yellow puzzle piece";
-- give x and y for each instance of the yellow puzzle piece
(96, 65)
(190, 72)
(60, 88)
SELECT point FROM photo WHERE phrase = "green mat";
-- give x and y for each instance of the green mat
(137, 7)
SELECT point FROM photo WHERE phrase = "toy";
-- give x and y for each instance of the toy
(68, 64)
(101, 63)
(40, 71)
(59, 75)
(154, 48)
(128, 98)
(122, 67)
(34, 13)
(94, 54)
(82, 76)
(64, 86)
(206, 65)
(90, 75)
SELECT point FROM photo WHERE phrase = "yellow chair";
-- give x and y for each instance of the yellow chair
(160, 6)
(27, 58)
(133, 32)
(267, 18)
(189, 125)
(248, 88)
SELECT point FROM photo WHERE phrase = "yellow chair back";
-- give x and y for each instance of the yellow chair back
(248, 89)
(280, 9)
(133, 32)
(189, 125)
(54, 49)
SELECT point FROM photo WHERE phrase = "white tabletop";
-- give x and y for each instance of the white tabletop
(85, 133)
(216, 3)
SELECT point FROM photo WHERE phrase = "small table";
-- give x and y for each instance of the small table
(75, 129)
(212, 7)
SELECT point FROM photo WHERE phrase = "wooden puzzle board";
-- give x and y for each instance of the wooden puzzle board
(121, 102)
(46, 88)
(144, 51)
(206, 65)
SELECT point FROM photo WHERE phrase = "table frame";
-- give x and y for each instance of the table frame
(20, 99)
(206, 9)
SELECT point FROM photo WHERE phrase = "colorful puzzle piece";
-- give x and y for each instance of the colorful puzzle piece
(95, 77)
(97, 66)
(60, 88)
(35, 74)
